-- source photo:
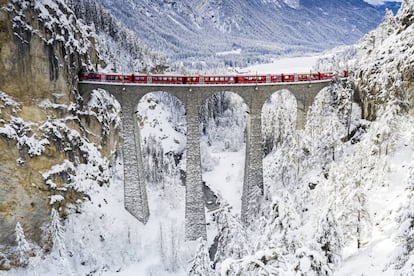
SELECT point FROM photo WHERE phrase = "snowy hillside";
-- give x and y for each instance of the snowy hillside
(120, 49)
(194, 33)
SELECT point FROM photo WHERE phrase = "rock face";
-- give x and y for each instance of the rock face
(386, 69)
(48, 132)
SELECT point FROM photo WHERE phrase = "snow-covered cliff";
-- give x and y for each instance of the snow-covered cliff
(386, 72)
(54, 144)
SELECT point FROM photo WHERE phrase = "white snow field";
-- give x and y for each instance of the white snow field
(302, 64)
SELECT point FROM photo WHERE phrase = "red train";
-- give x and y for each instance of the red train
(201, 79)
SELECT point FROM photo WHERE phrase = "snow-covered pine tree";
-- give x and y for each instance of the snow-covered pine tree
(22, 248)
(56, 232)
(169, 242)
(276, 243)
(310, 262)
(201, 265)
(278, 119)
(280, 230)
(222, 120)
(328, 239)
(404, 254)
(230, 239)
(281, 142)
(327, 124)
(385, 134)
(351, 205)
(154, 160)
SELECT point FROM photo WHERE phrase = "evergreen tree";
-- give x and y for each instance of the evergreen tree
(201, 265)
(56, 232)
(404, 254)
(280, 231)
(309, 262)
(278, 120)
(328, 239)
(231, 240)
(385, 136)
(23, 247)
(327, 124)
(351, 203)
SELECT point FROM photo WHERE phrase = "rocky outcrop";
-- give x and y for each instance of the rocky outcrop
(51, 139)
(386, 65)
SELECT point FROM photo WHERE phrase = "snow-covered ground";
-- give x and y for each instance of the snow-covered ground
(302, 64)
(226, 179)
(384, 202)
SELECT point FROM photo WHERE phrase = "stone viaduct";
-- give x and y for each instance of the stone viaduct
(192, 97)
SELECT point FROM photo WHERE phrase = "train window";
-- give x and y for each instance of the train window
(221, 78)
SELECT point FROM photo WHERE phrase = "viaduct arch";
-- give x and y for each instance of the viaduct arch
(192, 97)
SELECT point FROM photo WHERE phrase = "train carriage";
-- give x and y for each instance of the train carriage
(219, 79)
(140, 78)
(308, 77)
(90, 76)
(276, 78)
(251, 79)
(163, 79)
(326, 75)
(288, 77)
(113, 77)
(192, 80)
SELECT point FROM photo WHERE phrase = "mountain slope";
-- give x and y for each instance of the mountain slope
(195, 32)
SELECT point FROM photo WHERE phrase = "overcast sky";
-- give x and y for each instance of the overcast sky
(377, 2)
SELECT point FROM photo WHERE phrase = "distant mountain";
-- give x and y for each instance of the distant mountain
(195, 32)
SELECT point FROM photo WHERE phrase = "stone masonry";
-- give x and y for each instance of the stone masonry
(192, 97)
